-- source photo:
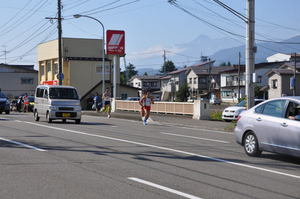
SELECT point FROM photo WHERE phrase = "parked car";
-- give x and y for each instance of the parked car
(272, 126)
(215, 101)
(4, 104)
(31, 103)
(133, 98)
(57, 103)
(231, 113)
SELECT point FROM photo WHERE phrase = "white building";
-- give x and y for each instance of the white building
(278, 57)
(171, 83)
(16, 80)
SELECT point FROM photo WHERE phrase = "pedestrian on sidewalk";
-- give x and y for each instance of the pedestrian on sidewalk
(106, 97)
(145, 103)
(97, 102)
(26, 102)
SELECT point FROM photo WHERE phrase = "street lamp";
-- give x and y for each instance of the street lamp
(103, 50)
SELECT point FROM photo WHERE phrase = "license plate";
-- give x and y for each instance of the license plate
(66, 114)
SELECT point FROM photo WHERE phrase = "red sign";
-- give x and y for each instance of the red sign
(53, 82)
(115, 42)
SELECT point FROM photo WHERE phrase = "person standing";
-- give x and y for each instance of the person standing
(106, 98)
(26, 102)
(97, 103)
(145, 103)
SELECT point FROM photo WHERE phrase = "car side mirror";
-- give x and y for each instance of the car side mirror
(297, 117)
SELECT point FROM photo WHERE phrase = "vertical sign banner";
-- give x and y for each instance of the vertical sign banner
(115, 42)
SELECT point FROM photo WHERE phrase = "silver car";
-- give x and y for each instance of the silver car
(273, 125)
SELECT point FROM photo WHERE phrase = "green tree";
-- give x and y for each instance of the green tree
(223, 64)
(168, 67)
(130, 71)
(123, 78)
(145, 74)
(183, 93)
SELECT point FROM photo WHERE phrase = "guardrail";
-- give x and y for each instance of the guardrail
(183, 108)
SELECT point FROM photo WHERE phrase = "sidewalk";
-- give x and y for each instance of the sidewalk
(175, 120)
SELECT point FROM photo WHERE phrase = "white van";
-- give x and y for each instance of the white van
(57, 103)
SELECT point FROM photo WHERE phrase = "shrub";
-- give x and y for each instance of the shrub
(216, 115)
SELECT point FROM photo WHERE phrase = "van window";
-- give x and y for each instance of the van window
(39, 92)
(63, 93)
(46, 93)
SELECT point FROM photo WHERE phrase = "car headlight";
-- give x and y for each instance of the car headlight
(53, 108)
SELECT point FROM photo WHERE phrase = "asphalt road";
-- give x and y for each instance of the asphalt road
(121, 159)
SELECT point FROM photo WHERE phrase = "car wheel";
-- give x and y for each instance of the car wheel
(64, 120)
(48, 118)
(7, 112)
(251, 145)
(78, 121)
(36, 116)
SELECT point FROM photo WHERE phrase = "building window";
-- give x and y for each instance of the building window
(202, 80)
(191, 80)
(26, 80)
(106, 69)
(48, 64)
(259, 79)
(55, 68)
(42, 70)
(195, 80)
(274, 83)
(153, 84)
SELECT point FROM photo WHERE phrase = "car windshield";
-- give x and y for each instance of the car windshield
(63, 93)
(242, 103)
(2, 95)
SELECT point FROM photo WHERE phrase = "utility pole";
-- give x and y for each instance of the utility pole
(239, 78)
(250, 50)
(5, 53)
(125, 70)
(165, 60)
(60, 73)
(295, 70)
(59, 28)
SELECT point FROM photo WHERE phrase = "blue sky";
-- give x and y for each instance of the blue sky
(150, 25)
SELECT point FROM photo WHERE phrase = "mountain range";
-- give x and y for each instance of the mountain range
(221, 50)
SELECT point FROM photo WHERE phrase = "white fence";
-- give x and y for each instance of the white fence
(159, 107)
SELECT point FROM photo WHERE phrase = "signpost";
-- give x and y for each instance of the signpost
(115, 45)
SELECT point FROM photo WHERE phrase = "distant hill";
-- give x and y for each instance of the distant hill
(264, 50)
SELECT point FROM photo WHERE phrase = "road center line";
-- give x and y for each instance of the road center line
(198, 138)
(164, 188)
(22, 144)
(167, 149)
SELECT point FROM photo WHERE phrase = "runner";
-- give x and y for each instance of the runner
(145, 103)
(106, 100)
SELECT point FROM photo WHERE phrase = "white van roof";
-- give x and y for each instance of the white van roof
(55, 86)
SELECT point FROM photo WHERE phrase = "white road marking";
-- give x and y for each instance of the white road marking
(164, 188)
(198, 138)
(22, 144)
(168, 149)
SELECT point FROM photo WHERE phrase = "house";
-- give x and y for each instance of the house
(279, 83)
(151, 83)
(204, 80)
(171, 83)
(230, 86)
(16, 80)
